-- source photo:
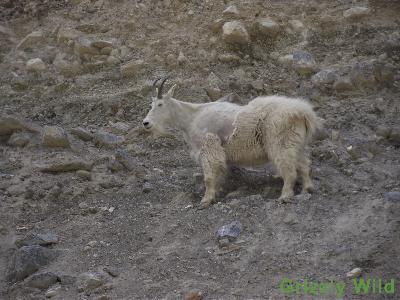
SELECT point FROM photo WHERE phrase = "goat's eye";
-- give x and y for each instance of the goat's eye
(159, 104)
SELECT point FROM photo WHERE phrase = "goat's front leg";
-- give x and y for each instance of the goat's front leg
(213, 162)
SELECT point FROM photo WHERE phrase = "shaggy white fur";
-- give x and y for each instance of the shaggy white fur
(268, 129)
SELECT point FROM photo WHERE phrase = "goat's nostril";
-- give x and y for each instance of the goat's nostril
(146, 124)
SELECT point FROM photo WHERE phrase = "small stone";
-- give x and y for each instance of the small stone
(84, 47)
(126, 160)
(223, 243)
(16, 190)
(196, 295)
(229, 58)
(112, 61)
(258, 85)
(230, 231)
(290, 219)
(42, 239)
(296, 25)
(354, 273)
(214, 93)
(217, 25)
(181, 58)
(304, 63)
(356, 13)
(92, 243)
(392, 196)
(28, 260)
(394, 137)
(102, 44)
(106, 50)
(132, 68)
(383, 131)
(82, 133)
(342, 85)
(119, 127)
(107, 140)
(335, 135)
(286, 60)
(35, 65)
(19, 139)
(30, 40)
(267, 27)
(231, 11)
(86, 175)
(53, 291)
(89, 281)
(147, 187)
(110, 181)
(54, 136)
(67, 68)
(65, 164)
(42, 281)
(235, 33)
(10, 124)
(362, 75)
(324, 78)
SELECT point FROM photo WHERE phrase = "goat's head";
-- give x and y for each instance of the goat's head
(159, 118)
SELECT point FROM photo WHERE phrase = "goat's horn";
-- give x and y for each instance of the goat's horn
(155, 81)
(159, 96)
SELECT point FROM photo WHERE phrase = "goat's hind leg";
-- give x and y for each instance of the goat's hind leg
(213, 162)
(304, 169)
(285, 162)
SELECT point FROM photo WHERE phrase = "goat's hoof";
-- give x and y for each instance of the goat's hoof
(285, 199)
(307, 190)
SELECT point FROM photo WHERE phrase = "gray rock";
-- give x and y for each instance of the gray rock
(102, 44)
(90, 280)
(356, 13)
(28, 259)
(66, 164)
(147, 187)
(230, 231)
(84, 174)
(296, 25)
(107, 140)
(392, 196)
(54, 136)
(10, 124)
(42, 281)
(231, 11)
(235, 33)
(42, 239)
(83, 47)
(126, 160)
(53, 291)
(324, 78)
(267, 27)
(342, 85)
(82, 133)
(383, 131)
(35, 65)
(304, 63)
(19, 139)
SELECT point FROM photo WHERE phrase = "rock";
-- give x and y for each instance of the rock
(147, 187)
(30, 40)
(53, 291)
(392, 196)
(296, 25)
(112, 61)
(67, 164)
(217, 25)
(132, 68)
(100, 44)
(89, 281)
(10, 124)
(82, 133)
(84, 47)
(107, 140)
(343, 84)
(230, 231)
(391, 43)
(324, 78)
(354, 273)
(290, 219)
(65, 35)
(196, 295)
(110, 181)
(267, 27)
(115, 166)
(229, 58)
(384, 73)
(235, 33)
(383, 131)
(231, 11)
(126, 160)
(181, 58)
(28, 259)
(106, 50)
(67, 68)
(42, 281)
(119, 127)
(258, 85)
(214, 93)
(223, 243)
(356, 13)
(16, 190)
(54, 136)
(362, 75)
(35, 65)
(84, 174)
(304, 63)
(19, 139)
(42, 239)
(286, 60)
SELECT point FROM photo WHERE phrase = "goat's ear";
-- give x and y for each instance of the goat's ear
(171, 91)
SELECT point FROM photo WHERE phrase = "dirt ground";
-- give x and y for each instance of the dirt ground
(141, 223)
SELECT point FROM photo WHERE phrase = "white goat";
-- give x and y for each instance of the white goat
(219, 134)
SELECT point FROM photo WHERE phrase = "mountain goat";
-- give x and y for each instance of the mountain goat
(221, 134)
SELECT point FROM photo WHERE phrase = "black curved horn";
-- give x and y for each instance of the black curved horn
(159, 95)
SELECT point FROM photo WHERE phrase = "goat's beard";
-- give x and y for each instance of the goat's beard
(158, 131)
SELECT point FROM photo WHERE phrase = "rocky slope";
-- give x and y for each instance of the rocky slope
(93, 208)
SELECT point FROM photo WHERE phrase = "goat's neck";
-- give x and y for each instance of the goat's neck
(183, 114)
